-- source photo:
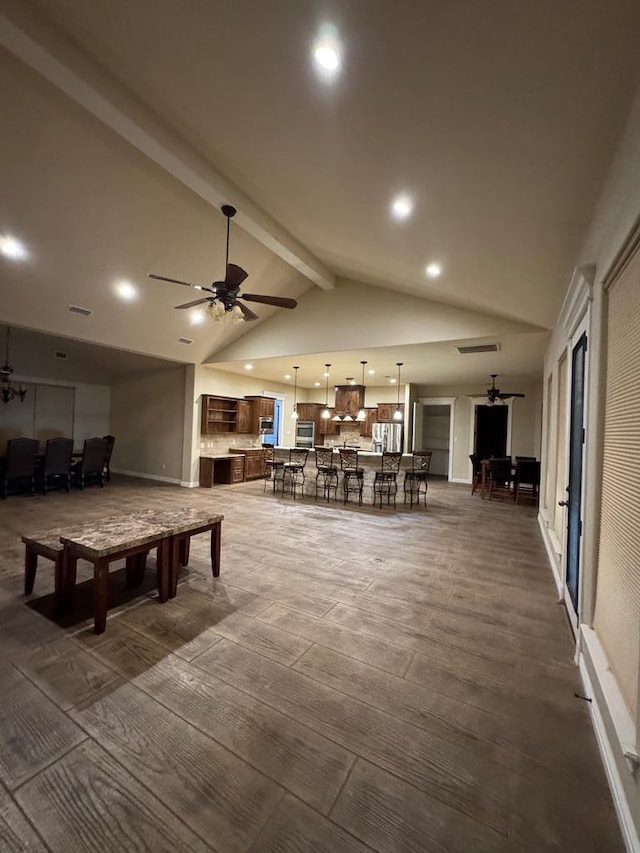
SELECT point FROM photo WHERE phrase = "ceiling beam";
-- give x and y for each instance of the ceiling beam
(25, 33)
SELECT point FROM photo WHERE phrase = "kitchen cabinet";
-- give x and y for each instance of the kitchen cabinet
(221, 469)
(372, 418)
(219, 414)
(386, 411)
(349, 399)
(330, 427)
(254, 466)
(261, 407)
(243, 419)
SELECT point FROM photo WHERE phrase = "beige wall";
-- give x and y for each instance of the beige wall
(610, 228)
(147, 419)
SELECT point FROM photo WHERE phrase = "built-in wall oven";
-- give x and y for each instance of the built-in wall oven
(266, 425)
(305, 434)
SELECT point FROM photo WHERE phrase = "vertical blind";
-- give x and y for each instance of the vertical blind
(617, 613)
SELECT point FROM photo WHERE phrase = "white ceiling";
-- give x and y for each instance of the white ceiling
(501, 119)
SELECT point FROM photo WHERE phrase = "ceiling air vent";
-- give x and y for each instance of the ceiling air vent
(83, 312)
(185, 341)
(61, 354)
(478, 348)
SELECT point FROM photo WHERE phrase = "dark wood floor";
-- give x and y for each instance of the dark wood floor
(356, 680)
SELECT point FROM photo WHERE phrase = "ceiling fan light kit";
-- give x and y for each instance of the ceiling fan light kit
(225, 300)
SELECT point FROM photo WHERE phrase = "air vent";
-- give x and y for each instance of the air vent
(83, 312)
(185, 341)
(478, 348)
(61, 354)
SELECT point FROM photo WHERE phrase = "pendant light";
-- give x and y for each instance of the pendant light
(326, 414)
(397, 415)
(294, 413)
(362, 415)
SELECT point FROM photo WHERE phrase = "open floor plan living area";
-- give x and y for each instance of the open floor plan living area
(319, 426)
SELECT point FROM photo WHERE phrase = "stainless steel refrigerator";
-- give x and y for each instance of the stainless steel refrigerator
(386, 437)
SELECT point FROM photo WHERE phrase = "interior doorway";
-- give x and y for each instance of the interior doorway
(490, 434)
(435, 437)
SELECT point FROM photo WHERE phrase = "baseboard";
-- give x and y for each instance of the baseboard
(462, 480)
(189, 484)
(551, 554)
(172, 480)
(627, 826)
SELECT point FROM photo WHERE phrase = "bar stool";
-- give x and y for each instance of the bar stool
(272, 466)
(415, 480)
(327, 476)
(352, 476)
(293, 472)
(386, 479)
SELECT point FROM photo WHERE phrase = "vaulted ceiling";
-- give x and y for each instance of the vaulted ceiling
(126, 124)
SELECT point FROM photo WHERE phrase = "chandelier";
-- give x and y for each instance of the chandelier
(8, 391)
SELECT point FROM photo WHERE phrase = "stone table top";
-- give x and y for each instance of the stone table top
(111, 535)
(181, 520)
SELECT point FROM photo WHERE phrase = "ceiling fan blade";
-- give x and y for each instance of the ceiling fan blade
(195, 302)
(175, 281)
(278, 301)
(505, 396)
(234, 277)
(247, 312)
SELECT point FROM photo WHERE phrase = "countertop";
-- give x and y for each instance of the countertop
(364, 453)
(220, 455)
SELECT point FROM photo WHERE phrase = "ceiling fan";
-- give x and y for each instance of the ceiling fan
(495, 395)
(225, 296)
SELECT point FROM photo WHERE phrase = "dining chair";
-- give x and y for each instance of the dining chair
(415, 479)
(110, 439)
(19, 464)
(385, 482)
(501, 477)
(476, 476)
(527, 478)
(56, 468)
(90, 468)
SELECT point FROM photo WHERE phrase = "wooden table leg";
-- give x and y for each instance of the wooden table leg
(68, 574)
(100, 594)
(135, 567)
(216, 536)
(185, 542)
(30, 567)
(60, 583)
(167, 568)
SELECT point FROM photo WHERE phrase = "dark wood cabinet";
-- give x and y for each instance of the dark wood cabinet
(222, 469)
(238, 469)
(252, 460)
(244, 419)
(330, 427)
(372, 418)
(386, 411)
(219, 414)
(261, 407)
(349, 399)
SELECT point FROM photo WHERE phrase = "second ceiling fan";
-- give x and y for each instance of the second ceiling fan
(495, 395)
(225, 295)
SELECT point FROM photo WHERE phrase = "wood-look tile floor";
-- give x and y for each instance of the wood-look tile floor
(356, 680)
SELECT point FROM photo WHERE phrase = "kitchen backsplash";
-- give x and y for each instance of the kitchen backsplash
(351, 434)
(222, 443)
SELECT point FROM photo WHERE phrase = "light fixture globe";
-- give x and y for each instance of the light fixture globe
(397, 415)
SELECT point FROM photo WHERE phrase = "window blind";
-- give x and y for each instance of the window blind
(617, 612)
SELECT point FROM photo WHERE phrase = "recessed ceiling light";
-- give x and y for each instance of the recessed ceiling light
(126, 290)
(393, 380)
(434, 270)
(327, 53)
(326, 374)
(13, 248)
(317, 384)
(248, 367)
(287, 376)
(371, 372)
(401, 207)
(197, 318)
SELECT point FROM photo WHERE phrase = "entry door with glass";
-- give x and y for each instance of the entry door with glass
(574, 489)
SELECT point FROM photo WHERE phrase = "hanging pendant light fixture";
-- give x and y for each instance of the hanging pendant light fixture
(326, 414)
(362, 415)
(397, 415)
(8, 391)
(294, 413)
